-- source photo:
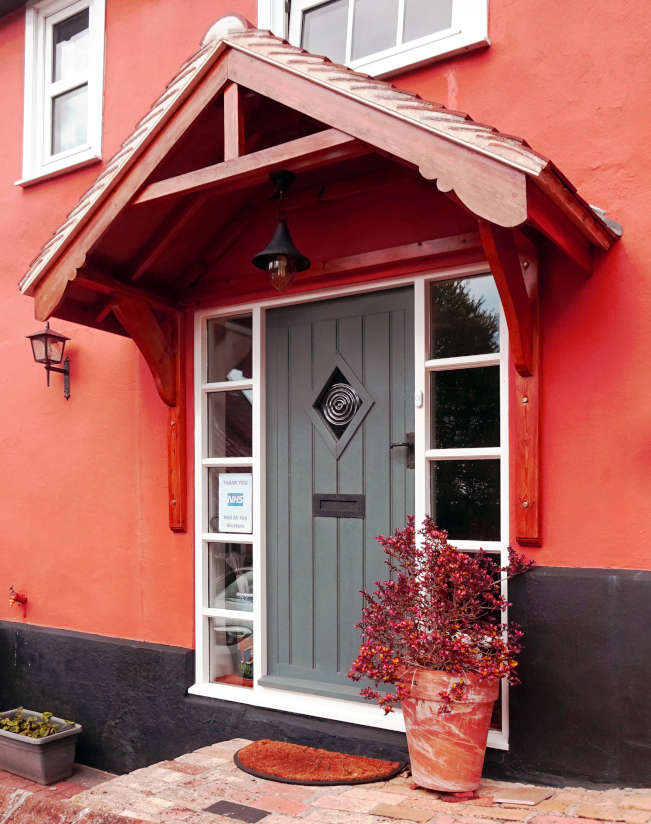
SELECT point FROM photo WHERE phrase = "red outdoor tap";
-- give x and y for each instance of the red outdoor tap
(16, 597)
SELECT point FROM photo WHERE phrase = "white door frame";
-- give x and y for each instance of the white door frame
(365, 714)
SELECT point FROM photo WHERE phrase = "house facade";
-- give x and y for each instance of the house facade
(462, 335)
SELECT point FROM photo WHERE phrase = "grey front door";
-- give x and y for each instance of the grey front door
(339, 383)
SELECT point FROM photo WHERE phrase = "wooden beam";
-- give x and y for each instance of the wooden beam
(92, 277)
(309, 152)
(526, 435)
(177, 430)
(502, 256)
(383, 263)
(145, 331)
(546, 217)
(233, 122)
(160, 240)
(103, 308)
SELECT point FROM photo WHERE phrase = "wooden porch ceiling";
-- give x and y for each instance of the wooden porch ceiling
(150, 236)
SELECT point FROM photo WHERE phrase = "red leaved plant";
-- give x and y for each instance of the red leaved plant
(441, 609)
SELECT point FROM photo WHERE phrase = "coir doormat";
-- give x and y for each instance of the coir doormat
(294, 764)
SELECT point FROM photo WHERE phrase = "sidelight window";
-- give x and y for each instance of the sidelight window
(228, 523)
(464, 376)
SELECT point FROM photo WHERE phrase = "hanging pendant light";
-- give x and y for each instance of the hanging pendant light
(281, 259)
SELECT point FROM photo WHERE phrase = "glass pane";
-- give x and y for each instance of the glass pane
(70, 47)
(375, 26)
(230, 345)
(229, 424)
(324, 30)
(465, 408)
(70, 120)
(423, 17)
(231, 576)
(466, 499)
(230, 495)
(231, 652)
(465, 318)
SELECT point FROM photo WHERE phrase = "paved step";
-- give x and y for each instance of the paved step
(19, 806)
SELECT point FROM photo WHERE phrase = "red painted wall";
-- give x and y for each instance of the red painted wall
(83, 498)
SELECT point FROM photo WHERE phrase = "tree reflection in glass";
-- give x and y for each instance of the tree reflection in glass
(465, 318)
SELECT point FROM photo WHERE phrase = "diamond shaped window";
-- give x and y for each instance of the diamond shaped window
(339, 405)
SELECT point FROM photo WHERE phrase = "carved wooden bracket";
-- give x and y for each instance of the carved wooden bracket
(502, 256)
(528, 525)
(520, 304)
(162, 346)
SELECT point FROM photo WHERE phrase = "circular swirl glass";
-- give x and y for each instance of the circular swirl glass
(339, 404)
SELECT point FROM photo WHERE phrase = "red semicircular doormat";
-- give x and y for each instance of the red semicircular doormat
(295, 764)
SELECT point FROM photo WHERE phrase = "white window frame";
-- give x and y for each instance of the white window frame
(469, 30)
(336, 709)
(40, 17)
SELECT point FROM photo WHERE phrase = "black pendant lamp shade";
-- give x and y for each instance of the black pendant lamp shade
(281, 259)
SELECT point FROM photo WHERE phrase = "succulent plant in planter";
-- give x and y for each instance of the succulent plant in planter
(434, 630)
(37, 746)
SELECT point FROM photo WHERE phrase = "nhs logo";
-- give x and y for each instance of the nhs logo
(235, 499)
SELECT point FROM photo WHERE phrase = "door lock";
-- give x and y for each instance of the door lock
(409, 444)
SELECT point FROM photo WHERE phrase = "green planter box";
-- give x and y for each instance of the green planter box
(44, 760)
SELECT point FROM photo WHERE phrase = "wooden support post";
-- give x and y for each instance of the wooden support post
(502, 256)
(163, 348)
(526, 436)
(233, 122)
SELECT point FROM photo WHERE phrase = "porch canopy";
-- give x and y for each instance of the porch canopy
(176, 215)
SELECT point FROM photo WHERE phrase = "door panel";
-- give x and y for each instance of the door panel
(316, 566)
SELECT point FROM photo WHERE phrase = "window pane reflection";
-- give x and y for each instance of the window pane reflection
(466, 499)
(324, 30)
(465, 406)
(70, 120)
(70, 47)
(230, 344)
(423, 17)
(230, 418)
(231, 576)
(375, 26)
(465, 318)
(231, 652)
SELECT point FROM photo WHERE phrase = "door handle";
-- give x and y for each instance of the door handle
(409, 443)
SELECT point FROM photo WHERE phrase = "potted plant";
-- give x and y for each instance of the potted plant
(37, 746)
(434, 630)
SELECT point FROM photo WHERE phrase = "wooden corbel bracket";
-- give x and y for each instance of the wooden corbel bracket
(520, 303)
(162, 346)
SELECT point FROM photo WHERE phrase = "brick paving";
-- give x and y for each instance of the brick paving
(183, 790)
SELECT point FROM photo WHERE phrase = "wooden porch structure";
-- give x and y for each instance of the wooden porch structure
(157, 233)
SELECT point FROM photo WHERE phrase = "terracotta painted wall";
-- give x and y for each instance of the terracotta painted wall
(83, 499)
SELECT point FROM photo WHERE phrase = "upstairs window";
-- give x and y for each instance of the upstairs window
(64, 73)
(379, 37)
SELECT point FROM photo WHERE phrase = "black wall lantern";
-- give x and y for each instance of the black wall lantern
(281, 259)
(48, 346)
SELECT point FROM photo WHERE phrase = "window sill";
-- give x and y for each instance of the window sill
(88, 158)
(411, 56)
(334, 709)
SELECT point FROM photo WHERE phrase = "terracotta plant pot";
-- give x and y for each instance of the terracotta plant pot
(447, 751)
